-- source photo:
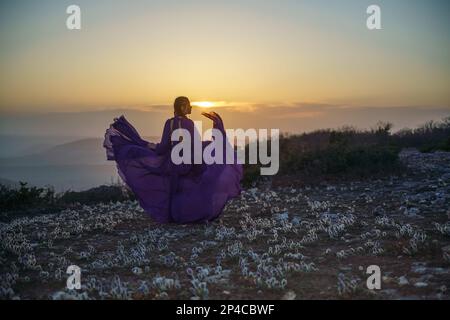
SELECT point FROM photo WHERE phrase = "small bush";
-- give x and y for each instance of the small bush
(430, 137)
(25, 197)
(30, 201)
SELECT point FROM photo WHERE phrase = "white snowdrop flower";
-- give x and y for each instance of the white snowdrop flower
(137, 271)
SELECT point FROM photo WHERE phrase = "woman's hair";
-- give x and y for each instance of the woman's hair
(179, 106)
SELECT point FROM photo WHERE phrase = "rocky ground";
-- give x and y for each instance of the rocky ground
(271, 243)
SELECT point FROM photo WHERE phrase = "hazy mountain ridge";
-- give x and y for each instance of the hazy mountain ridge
(88, 151)
(74, 165)
(22, 145)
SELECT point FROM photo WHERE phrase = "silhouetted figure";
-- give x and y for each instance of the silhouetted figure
(185, 193)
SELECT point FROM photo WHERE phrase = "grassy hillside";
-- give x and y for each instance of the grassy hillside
(349, 152)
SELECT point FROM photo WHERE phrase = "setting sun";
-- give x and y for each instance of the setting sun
(204, 104)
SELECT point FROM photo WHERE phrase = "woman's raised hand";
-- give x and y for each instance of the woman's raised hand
(214, 116)
(217, 120)
(208, 115)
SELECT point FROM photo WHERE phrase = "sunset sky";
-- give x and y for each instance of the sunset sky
(138, 54)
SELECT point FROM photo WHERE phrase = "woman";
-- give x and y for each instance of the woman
(185, 193)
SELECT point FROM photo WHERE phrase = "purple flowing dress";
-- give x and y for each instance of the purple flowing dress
(169, 193)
